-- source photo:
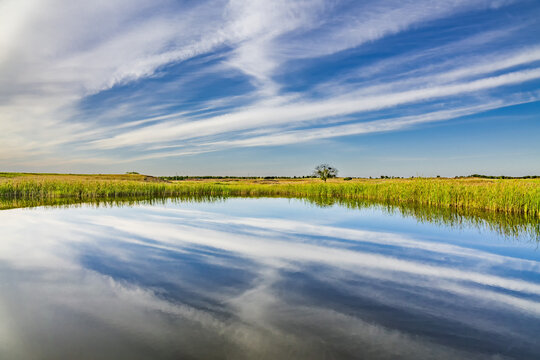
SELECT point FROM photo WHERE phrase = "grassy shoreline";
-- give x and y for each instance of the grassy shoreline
(507, 196)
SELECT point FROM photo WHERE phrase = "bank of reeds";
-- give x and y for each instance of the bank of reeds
(506, 196)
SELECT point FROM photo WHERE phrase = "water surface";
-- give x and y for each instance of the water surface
(262, 278)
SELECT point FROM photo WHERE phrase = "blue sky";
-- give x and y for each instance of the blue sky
(400, 88)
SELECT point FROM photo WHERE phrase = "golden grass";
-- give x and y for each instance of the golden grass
(506, 196)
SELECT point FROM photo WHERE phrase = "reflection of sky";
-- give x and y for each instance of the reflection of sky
(264, 278)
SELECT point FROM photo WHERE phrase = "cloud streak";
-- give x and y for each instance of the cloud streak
(259, 115)
(80, 81)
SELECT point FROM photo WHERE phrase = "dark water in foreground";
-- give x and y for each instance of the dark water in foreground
(261, 279)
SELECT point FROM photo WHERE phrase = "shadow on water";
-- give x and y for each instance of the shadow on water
(510, 226)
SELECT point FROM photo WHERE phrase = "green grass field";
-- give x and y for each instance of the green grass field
(518, 196)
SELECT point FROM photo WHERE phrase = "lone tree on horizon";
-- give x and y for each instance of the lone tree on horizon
(325, 171)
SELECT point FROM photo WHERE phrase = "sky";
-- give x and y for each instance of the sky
(258, 88)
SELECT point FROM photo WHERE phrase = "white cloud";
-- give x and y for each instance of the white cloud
(54, 54)
(258, 115)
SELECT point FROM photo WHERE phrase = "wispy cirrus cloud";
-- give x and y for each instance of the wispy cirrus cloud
(260, 115)
(80, 81)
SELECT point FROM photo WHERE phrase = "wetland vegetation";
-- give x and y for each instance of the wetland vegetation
(510, 207)
(516, 196)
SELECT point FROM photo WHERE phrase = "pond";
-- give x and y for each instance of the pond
(265, 278)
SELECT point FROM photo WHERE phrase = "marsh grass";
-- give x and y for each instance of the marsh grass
(503, 196)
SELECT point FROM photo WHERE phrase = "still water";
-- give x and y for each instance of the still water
(261, 279)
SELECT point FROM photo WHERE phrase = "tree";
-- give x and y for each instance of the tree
(325, 171)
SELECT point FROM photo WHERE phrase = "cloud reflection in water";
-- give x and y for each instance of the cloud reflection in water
(194, 281)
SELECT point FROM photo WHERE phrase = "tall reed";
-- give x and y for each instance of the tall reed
(507, 196)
